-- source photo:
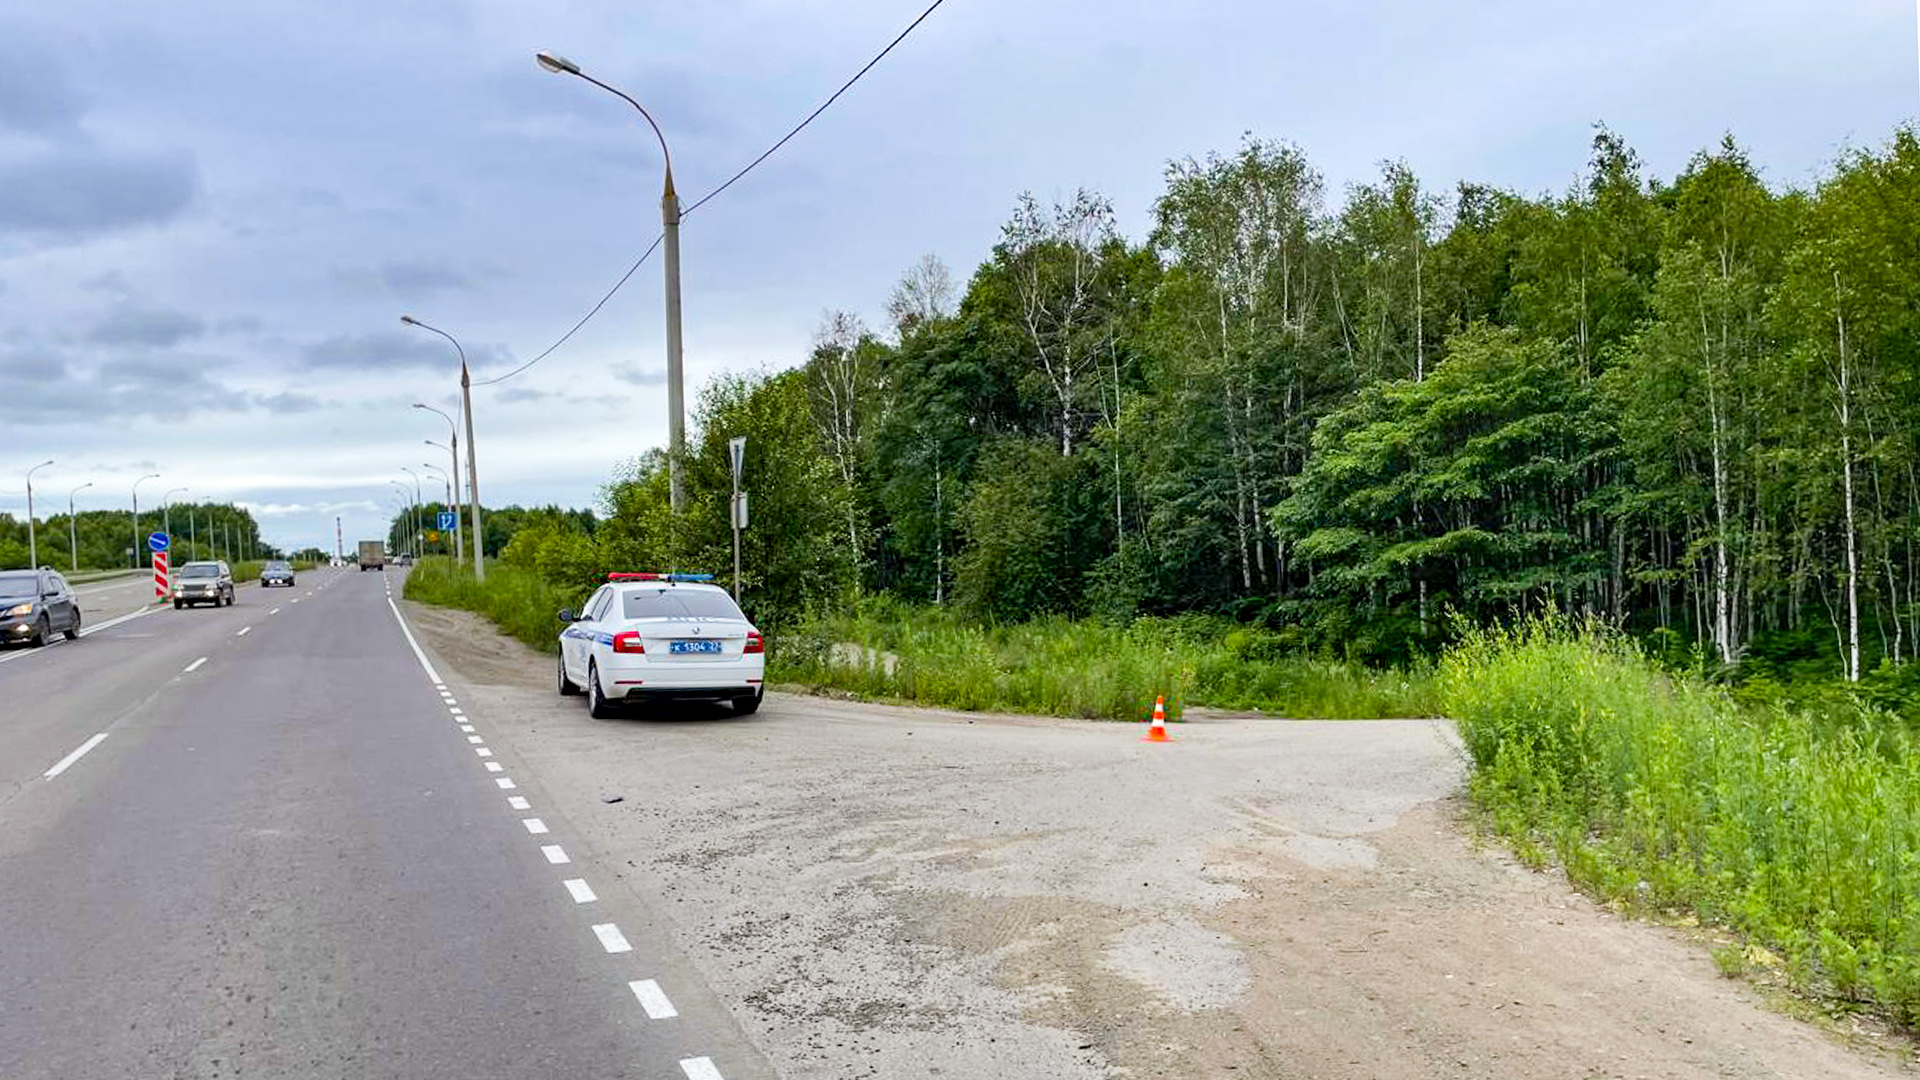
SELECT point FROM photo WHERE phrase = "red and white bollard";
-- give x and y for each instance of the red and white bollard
(159, 575)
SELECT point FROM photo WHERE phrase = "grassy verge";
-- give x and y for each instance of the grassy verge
(1799, 831)
(1062, 667)
(518, 601)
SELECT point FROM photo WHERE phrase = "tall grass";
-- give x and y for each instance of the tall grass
(1061, 667)
(1801, 831)
(518, 601)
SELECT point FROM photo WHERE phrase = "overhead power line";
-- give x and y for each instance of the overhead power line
(730, 181)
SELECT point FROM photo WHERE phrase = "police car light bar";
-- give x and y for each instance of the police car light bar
(619, 576)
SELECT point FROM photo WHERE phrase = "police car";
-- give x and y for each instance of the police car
(661, 637)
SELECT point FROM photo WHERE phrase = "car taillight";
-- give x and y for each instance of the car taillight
(628, 642)
(755, 643)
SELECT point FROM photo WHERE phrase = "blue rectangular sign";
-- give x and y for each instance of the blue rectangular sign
(448, 520)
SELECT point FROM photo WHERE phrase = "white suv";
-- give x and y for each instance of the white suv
(662, 637)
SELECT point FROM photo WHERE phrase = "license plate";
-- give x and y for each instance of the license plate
(693, 646)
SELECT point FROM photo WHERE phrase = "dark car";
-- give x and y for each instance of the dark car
(36, 603)
(276, 572)
(208, 582)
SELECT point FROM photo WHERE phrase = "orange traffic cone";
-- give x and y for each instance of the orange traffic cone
(1158, 732)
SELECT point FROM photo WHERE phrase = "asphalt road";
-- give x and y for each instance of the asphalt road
(259, 841)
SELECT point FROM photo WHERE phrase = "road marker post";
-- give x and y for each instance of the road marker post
(158, 543)
(1158, 732)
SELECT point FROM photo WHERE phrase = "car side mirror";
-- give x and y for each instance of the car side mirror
(567, 615)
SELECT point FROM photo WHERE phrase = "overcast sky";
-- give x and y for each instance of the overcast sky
(212, 214)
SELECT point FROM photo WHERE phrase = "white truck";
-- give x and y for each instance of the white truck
(373, 555)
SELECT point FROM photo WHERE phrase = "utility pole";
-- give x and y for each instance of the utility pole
(33, 548)
(73, 532)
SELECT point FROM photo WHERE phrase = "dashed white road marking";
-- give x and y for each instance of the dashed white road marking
(468, 728)
(275, 611)
(611, 939)
(519, 802)
(494, 766)
(193, 667)
(654, 1000)
(700, 1069)
(456, 711)
(505, 783)
(242, 632)
(475, 739)
(66, 762)
(581, 891)
(535, 826)
(555, 854)
(295, 600)
(483, 751)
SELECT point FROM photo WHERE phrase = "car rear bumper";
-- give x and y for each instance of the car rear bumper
(714, 681)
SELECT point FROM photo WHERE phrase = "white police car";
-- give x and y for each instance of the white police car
(661, 637)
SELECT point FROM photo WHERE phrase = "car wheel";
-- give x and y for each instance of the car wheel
(743, 706)
(177, 605)
(41, 631)
(73, 632)
(567, 688)
(598, 706)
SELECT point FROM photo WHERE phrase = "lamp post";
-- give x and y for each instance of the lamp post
(473, 469)
(33, 549)
(453, 456)
(166, 513)
(73, 534)
(136, 516)
(419, 526)
(670, 230)
(406, 506)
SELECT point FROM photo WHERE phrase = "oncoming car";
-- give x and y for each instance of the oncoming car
(276, 572)
(661, 637)
(206, 582)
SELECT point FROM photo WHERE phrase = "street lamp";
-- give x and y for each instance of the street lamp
(405, 508)
(33, 549)
(670, 229)
(473, 469)
(445, 481)
(419, 540)
(166, 513)
(453, 456)
(73, 534)
(136, 516)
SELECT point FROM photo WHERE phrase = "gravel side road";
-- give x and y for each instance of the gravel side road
(902, 893)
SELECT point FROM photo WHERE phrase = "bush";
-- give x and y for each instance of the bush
(1061, 667)
(517, 600)
(1800, 831)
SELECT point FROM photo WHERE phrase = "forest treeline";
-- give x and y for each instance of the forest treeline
(1687, 406)
(108, 539)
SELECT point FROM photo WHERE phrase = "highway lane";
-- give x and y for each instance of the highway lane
(295, 858)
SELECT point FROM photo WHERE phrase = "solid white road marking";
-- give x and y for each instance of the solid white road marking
(475, 739)
(505, 783)
(195, 666)
(62, 765)
(582, 892)
(243, 631)
(700, 1069)
(519, 802)
(555, 854)
(84, 632)
(483, 751)
(432, 675)
(611, 938)
(654, 1000)
(494, 766)
(534, 825)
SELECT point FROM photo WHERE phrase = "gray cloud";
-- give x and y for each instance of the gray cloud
(403, 280)
(35, 94)
(81, 192)
(639, 376)
(518, 394)
(287, 402)
(159, 329)
(377, 349)
(44, 388)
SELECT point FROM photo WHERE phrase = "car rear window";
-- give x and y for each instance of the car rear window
(668, 603)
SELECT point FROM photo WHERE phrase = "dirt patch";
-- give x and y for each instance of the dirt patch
(880, 891)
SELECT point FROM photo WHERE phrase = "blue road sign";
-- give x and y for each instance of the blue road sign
(157, 541)
(448, 519)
